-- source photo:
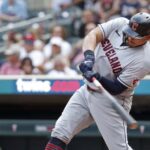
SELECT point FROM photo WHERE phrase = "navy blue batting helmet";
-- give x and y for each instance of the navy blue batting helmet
(139, 25)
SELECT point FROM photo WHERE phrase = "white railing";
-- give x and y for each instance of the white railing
(41, 17)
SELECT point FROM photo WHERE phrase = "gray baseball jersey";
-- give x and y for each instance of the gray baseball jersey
(128, 65)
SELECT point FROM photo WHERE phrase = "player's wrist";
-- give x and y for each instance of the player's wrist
(89, 55)
(88, 63)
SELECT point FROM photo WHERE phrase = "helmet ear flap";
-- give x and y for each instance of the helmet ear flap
(134, 26)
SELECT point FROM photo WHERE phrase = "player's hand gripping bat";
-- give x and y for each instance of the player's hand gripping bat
(131, 122)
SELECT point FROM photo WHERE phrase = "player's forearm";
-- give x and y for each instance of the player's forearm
(89, 42)
(114, 87)
(92, 39)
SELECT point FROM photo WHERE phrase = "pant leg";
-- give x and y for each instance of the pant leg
(74, 118)
(109, 122)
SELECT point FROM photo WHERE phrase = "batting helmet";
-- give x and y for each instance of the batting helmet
(139, 25)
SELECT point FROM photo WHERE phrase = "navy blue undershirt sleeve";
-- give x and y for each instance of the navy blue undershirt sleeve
(114, 87)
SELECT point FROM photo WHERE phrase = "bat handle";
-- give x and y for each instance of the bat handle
(96, 83)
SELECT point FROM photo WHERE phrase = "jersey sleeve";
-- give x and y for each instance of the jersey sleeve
(108, 27)
(131, 76)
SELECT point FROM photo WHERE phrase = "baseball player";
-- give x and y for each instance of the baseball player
(117, 54)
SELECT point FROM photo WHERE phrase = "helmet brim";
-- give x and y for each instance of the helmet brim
(127, 30)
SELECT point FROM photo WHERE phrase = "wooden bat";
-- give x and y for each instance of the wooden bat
(131, 122)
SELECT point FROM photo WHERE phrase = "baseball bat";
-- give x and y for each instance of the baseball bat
(131, 122)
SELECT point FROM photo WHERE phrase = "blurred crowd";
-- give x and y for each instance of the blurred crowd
(29, 52)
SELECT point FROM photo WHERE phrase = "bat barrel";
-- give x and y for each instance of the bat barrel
(131, 122)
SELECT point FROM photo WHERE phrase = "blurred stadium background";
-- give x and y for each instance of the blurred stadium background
(40, 47)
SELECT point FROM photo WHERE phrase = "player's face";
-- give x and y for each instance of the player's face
(134, 42)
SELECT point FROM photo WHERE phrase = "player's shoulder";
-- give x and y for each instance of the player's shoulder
(116, 22)
(112, 25)
(121, 21)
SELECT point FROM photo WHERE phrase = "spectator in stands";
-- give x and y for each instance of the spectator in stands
(85, 4)
(9, 38)
(58, 5)
(129, 8)
(34, 49)
(145, 6)
(145, 3)
(94, 5)
(13, 10)
(59, 31)
(56, 43)
(61, 68)
(109, 9)
(28, 45)
(37, 55)
(90, 26)
(55, 49)
(37, 31)
(12, 64)
(88, 16)
(77, 55)
(79, 3)
(12, 37)
(89, 13)
(27, 67)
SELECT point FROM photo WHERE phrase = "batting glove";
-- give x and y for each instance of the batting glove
(88, 63)
(90, 74)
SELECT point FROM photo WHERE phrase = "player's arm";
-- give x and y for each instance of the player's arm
(89, 44)
(92, 39)
(114, 87)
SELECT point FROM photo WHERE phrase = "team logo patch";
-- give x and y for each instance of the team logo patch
(134, 26)
(135, 81)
